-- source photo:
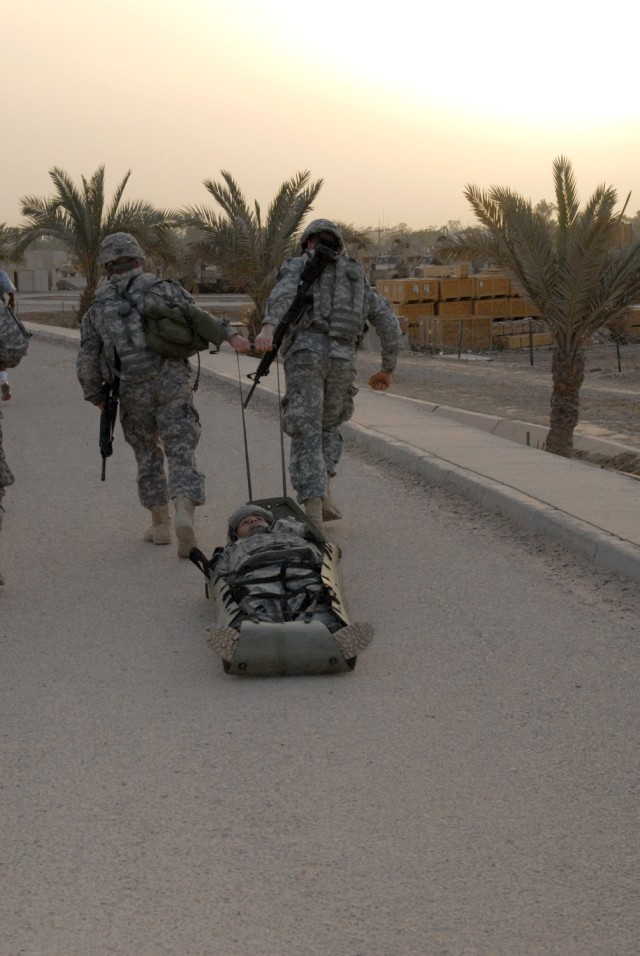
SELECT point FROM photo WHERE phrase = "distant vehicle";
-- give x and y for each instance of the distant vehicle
(71, 284)
(211, 281)
(389, 267)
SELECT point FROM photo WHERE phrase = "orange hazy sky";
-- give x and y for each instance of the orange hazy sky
(397, 106)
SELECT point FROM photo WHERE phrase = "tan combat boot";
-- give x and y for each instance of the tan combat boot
(313, 510)
(330, 510)
(183, 524)
(159, 531)
(1, 578)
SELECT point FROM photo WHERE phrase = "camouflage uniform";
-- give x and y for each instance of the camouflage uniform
(6, 287)
(6, 476)
(320, 360)
(274, 575)
(156, 398)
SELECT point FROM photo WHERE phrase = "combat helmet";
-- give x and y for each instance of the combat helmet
(119, 245)
(243, 512)
(321, 225)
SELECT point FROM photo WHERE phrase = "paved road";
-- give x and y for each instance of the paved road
(469, 789)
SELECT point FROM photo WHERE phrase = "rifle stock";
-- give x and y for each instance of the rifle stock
(322, 256)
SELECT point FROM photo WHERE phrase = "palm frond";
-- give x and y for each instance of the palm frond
(567, 200)
(585, 254)
(247, 246)
(230, 198)
(201, 217)
(112, 210)
(76, 216)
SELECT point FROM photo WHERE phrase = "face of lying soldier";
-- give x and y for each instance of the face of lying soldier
(252, 524)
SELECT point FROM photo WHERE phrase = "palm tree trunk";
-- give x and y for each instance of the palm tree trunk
(568, 375)
(88, 293)
(86, 299)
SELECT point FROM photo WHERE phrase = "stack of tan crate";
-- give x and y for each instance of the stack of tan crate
(476, 312)
(412, 300)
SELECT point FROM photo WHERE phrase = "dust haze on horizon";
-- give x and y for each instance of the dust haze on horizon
(397, 110)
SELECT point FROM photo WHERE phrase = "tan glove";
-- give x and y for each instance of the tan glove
(380, 381)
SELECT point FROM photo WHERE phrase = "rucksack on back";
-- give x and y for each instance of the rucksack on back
(14, 338)
(180, 330)
(176, 329)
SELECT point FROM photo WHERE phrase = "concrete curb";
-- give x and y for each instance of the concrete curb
(523, 433)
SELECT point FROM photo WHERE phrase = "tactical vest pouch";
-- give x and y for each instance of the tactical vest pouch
(181, 330)
(14, 338)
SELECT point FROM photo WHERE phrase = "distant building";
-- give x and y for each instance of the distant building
(42, 269)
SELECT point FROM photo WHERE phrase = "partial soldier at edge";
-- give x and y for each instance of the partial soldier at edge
(6, 288)
(6, 479)
(6, 475)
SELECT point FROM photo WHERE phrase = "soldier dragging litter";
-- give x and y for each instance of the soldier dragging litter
(6, 479)
(158, 417)
(13, 346)
(6, 287)
(320, 361)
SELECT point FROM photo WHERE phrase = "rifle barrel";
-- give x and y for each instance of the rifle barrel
(251, 391)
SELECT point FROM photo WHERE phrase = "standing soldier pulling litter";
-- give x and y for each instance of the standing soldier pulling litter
(6, 479)
(14, 340)
(320, 361)
(158, 417)
(6, 286)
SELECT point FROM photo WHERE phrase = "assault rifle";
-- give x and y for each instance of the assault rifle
(322, 256)
(109, 417)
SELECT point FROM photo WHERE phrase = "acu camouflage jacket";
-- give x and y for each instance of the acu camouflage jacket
(112, 324)
(342, 304)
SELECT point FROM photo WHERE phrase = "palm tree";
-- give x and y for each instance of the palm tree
(574, 271)
(7, 242)
(248, 250)
(80, 218)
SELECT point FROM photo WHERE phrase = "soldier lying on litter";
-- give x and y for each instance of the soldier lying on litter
(274, 571)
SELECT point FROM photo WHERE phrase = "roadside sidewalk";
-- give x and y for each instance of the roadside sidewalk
(589, 510)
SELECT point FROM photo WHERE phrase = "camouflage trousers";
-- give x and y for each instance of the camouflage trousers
(161, 424)
(319, 397)
(6, 476)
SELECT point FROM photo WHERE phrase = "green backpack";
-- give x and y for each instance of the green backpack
(181, 330)
(177, 330)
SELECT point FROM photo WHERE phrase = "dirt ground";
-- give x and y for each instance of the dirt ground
(506, 384)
